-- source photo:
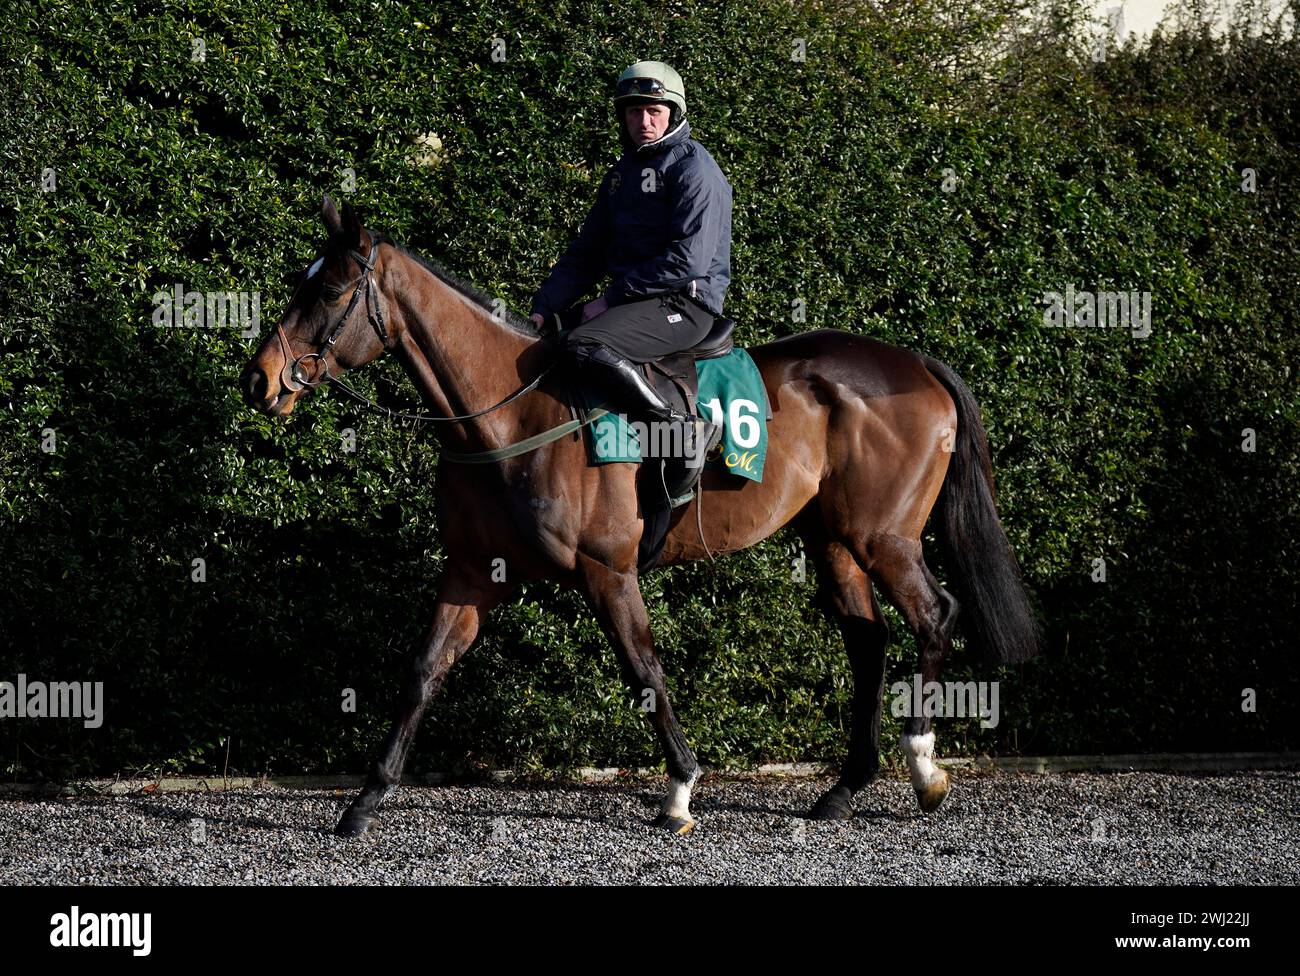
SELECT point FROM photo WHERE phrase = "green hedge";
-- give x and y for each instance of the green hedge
(1123, 173)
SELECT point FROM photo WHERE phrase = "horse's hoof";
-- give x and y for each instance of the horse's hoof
(934, 794)
(354, 824)
(676, 825)
(835, 804)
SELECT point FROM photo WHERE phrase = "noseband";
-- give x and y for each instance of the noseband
(294, 374)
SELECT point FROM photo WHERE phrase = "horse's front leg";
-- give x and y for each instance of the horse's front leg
(616, 599)
(463, 604)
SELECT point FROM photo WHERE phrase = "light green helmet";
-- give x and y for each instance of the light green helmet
(650, 81)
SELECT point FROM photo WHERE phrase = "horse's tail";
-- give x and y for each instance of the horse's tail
(996, 617)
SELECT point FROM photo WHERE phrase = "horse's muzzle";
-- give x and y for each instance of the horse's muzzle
(255, 388)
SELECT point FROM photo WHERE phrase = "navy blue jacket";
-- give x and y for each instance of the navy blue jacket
(661, 223)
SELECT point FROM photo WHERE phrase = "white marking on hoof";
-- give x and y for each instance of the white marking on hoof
(918, 750)
(678, 801)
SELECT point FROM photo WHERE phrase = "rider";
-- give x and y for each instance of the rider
(661, 229)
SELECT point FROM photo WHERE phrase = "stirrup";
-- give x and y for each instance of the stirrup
(681, 500)
(685, 487)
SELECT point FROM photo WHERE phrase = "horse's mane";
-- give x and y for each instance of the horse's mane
(476, 295)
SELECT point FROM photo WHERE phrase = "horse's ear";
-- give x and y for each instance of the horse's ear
(351, 225)
(330, 215)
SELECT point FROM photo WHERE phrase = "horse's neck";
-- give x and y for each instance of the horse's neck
(463, 358)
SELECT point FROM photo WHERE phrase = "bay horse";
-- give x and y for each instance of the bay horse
(864, 440)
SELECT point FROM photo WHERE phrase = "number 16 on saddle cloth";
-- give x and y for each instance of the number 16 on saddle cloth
(731, 394)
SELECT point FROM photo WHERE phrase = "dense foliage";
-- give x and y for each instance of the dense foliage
(924, 175)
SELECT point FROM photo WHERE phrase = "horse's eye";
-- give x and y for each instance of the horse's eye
(332, 294)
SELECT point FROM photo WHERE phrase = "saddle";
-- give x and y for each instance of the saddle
(675, 378)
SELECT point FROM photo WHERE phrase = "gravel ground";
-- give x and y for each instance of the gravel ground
(995, 828)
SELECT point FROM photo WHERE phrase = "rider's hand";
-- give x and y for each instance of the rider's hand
(536, 319)
(592, 309)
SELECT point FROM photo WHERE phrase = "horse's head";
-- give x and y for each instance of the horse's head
(336, 320)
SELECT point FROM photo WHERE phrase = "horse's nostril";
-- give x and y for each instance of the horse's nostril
(253, 383)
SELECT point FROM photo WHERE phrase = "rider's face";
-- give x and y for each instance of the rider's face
(646, 123)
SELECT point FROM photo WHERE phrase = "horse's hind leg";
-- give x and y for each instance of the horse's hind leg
(844, 592)
(463, 604)
(897, 564)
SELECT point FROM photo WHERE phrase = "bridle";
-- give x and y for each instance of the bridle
(294, 374)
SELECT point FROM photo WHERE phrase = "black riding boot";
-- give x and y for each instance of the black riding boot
(619, 379)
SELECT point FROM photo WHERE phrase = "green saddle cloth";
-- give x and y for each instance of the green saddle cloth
(731, 394)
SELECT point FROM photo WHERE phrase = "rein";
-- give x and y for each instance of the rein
(429, 418)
